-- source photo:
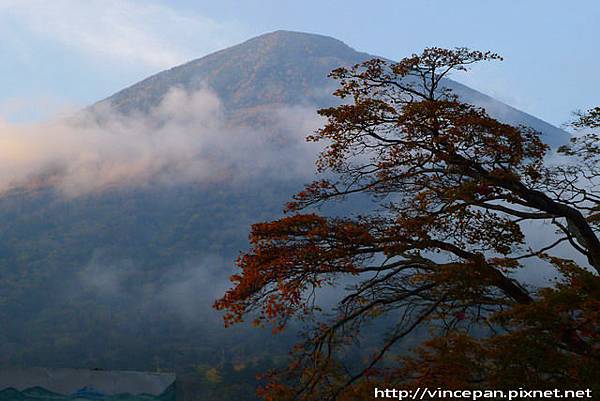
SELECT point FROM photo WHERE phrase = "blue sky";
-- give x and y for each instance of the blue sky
(63, 54)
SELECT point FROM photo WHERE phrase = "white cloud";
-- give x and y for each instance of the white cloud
(153, 35)
(186, 139)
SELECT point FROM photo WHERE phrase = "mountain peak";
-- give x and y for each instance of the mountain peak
(295, 38)
(283, 68)
(280, 67)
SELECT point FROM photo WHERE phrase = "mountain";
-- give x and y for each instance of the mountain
(277, 68)
(290, 68)
(123, 277)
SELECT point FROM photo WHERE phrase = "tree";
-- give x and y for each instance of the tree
(461, 199)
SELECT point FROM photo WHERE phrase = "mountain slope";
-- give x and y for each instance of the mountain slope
(277, 68)
(289, 68)
(123, 278)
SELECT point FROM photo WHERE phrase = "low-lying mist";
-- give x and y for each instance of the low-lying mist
(186, 139)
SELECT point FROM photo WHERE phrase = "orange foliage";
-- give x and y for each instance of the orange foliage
(454, 189)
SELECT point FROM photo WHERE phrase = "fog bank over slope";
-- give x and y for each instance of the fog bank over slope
(186, 139)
